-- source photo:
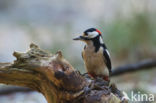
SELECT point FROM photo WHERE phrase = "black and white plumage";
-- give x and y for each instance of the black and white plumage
(95, 54)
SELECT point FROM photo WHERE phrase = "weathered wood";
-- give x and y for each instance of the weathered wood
(55, 78)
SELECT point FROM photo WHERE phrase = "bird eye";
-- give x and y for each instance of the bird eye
(85, 34)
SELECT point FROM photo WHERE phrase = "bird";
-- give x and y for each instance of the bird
(95, 54)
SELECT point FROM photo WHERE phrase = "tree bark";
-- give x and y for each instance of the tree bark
(56, 79)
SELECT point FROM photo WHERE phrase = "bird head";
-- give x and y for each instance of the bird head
(89, 34)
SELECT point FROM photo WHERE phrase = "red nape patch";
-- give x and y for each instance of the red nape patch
(98, 31)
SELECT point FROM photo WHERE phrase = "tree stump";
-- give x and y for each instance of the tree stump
(56, 79)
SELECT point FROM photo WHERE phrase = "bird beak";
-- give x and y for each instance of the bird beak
(80, 38)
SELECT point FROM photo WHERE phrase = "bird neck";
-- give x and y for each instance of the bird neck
(95, 42)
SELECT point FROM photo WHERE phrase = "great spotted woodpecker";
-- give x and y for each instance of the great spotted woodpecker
(95, 54)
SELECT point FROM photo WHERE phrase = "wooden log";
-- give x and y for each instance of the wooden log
(56, 79)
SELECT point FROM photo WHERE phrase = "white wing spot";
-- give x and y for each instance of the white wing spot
(107, 52)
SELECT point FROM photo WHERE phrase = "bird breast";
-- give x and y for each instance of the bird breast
(94, 61)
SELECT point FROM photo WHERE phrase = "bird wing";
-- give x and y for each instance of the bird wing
(107, 59)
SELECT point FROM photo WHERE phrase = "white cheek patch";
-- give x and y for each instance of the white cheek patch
(101, 41)
(93, 34)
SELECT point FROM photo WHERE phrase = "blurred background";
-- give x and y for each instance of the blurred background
(128, 28)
